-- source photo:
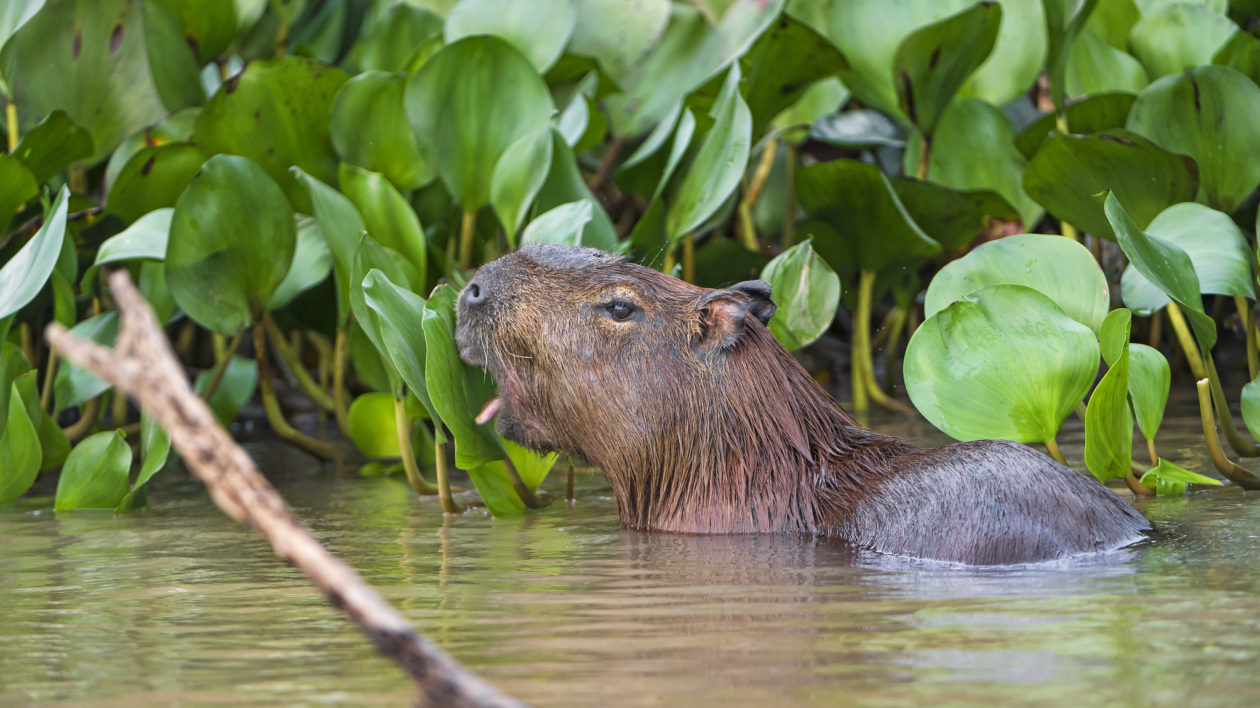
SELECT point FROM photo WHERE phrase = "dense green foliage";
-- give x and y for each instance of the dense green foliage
(317, 178)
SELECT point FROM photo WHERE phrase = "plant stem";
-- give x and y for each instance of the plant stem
(77, 178)
(290, 357)
(522, 490)
(689, 258)
(1186, 340)
(219, 344)
(1247, 312)
(605, 165)
(746, 224)
(11, 119)
(925, 154)
(28, 344)
(340, 404)
(1150, 451)
(50, 372)
(229, 350)
(859, 356)
(1080, 410)
(118, 409)
(1157, 331)
(401, 424)
(1232, 471)
(275, 416)
(893, 346)
(568, 484)
(1136, 486)
(466, 230)
(87, 420)
(1052, 447)
(788, 235)
(1069, 231)
(443, 480)
(1241, 445)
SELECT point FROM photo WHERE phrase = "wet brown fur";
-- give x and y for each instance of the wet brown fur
(703, 423)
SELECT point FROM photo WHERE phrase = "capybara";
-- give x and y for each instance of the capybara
(703, 423)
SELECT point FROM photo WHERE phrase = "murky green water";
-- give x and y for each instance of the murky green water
(178, 605)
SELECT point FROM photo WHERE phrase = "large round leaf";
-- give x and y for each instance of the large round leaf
(539, 28)
(370, 129)
(1059, 268)
(96, 474)
(952, 217)
(276, 112)
(153, 179)
(231, 243)
(392, 37)
(807, 292)
(1003, 362)
(467, 104)
(933, 61)
(1069, 170)
(1179, 36)
(1208, 113)
(1216, 246)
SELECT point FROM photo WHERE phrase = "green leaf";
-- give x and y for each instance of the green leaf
(1250, 405)
(73, 386)
(786, 60)
(1059, 268)
(96, 474)
(390, 219)
(370, 129)
(208, 26)
(17, 187)
(1178, 36)
(1241, 53)
(562, 226)
(52, 146)
(1217, 249)
(467, 105)
(870, 222)
(1002, 362)
(175, 70)
(153, 179)
(1016, 59)
(393, 36)
(276, 112)
(146, 239)
(1149, 378)
(1095, 67)
(618, 33)
(518, 177)
(952, 217)
(1064, 20)
(1069, 170)
(371, 255)
(933, 61)
(15, 14)
(974, 148)
(231, 243)
(531, 465)
(807, 292)
(155, 448)
(236, 388)
(24, 275)
(52, 441)
(1166, 266)
(1091, 114)
(1209, 114)
(372, 425)
(1171, 479)
(565, 184)
(342, 227)
(310, 266)
(397, 310)
(20, 453)
(718, 165)
(1108, 422)
(539, 29)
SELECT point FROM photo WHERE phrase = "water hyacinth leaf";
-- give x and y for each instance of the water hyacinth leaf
(1241, 53)
(52, 441)
(932, 62)
(392, 37)
(89, 59)
(655, 139)
(231, 244)
(389, 217)
(1164, 265)
(539, 29)
(276, 112)
(208, 26)
(1108, 422)
(1017, 57)
(1069, 170)
(951, 217)
(175, 128)
(20, 453)
(1003, 362)
(807, 292)
(237, 387)
(562, 225)
(175, 70)
(1216, 246)
(467, 105)
(370, 129)
(1209, 114)
(565, 184)
(371, 255)
(15, 14)
(310, 266)
(519, 176)
(96, 474)
(974, 148)
(857, 200)
(1250, 405)
(531, 465)
(52, 146)
(823, 98)
(786, 60)
(372, 425)
(1094, 67)
(618, 33)
(1171, 479)
(153, 179)
(1091, 114)
(682, 140)
(397, 310)
(1179, 36)
(73, 386)
(24, 275)
(1064, 21)
(17, 187)
(155, 449)
(1149, 378)
(144, 240)
(342, 226)
(1060, 269)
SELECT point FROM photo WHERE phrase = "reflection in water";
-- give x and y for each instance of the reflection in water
(176, 604)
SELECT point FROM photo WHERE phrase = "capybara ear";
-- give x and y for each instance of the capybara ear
(759, 302)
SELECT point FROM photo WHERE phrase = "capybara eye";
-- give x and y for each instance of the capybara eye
(620, 310)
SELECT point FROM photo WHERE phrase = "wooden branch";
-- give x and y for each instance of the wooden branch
(143, 366)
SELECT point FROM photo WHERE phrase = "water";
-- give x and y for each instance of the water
(178, 605)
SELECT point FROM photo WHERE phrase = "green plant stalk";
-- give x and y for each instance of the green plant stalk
(1186, 340)
(443, 480)
(219, 343)
(1136, 486)
(291, 359)
(1150, 451)
(605, 164)
(229, 350)
(466, 229)
(1232, 471)
(788, 236)
(118, 409)
(77, 178)
(50, 372)
(1247, 312)
(28, 343)
(340, 403)
(87, 420)
(925, 155)
(1240, 444)
(1052, 447)
(896, 326)
(522, 489)
(402, 426)
(1060, 122)
(747, 226)
(275, 416)
(860, 356)
(11, 120)
(689, 258)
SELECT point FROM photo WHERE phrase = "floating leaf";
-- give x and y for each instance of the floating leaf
(807, 292)
(153, 179)
(932, 62)
(1002, 362)
(1171, 479)
(24, 275)
(231, 244)
(1108, 422)
(539, 29)
(370, 129)
(96, 474)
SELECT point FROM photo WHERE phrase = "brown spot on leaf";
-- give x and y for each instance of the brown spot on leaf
(232, 82)
(936, 57)
(148, 165)
(194, 46)
(116, 38)
(908, 88)
(1195, 85)
(77, 45)
(1117, 138)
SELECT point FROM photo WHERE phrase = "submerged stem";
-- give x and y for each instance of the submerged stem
(1234, 472)
(925, 153)
(275, 416)
(443, 480)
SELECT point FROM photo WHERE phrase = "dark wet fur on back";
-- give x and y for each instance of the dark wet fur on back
(703, 423)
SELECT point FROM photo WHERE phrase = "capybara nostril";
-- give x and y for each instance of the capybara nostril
(474, 294)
